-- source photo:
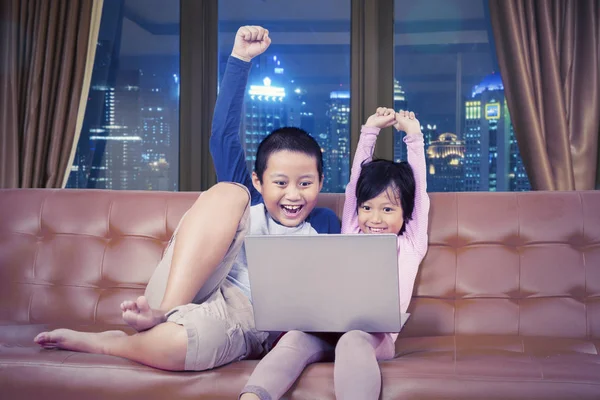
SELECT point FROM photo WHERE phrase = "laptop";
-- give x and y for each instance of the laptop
(325, 283)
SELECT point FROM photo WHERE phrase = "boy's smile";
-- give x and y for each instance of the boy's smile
(290, 186)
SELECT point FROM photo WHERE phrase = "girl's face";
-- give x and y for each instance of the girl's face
(381, 214)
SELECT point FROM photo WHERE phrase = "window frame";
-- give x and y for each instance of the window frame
(371, 80)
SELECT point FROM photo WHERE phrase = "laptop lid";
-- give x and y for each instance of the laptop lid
(324, 283)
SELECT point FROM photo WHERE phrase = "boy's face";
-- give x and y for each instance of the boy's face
(381, 214)
(290, 186)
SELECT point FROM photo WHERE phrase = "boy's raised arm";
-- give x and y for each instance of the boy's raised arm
(225, 146)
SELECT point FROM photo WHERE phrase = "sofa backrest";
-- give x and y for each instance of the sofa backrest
(508, 264)
(70, 256)
(498, 263)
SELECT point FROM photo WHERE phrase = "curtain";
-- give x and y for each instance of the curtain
(548, 56)
(43, 60)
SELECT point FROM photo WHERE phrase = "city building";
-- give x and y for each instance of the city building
(129, 137)
(116, 144)
(517, 177)
(337, 159)
(271, 102)
(400, 103)
(429, 133)
(159, 119)
(492, 160)
(267, 107)
(445, 162)
(121, 160)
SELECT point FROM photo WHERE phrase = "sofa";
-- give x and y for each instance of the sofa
(506, 303)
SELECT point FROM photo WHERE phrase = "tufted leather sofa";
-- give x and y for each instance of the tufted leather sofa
(506, 305)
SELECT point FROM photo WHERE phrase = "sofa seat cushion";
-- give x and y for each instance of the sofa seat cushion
(494, 367)
(445, 367)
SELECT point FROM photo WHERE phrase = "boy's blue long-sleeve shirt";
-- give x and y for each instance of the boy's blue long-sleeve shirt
(226, 149)
(230, 163)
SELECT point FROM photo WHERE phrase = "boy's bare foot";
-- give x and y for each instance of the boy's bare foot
(140, 316)
(67, 339)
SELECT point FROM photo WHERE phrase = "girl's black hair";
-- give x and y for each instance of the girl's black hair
(378, 175)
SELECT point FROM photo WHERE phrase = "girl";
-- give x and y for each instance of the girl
(381, 197)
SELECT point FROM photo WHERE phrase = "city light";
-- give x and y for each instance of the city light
(117, 138)
(115, 126)
(490, 83)
(130, 130)
(492, 111)
(339, 95)
(399, 94)
(266, 90)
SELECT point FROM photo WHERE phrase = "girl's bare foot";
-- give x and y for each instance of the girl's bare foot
(140, 316)
(68, 339)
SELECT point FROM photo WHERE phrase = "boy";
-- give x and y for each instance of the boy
(196, 313)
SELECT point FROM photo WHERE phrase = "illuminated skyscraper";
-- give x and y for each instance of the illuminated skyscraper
(267, 107)
(337, 160)
(473, 145)
(117, 144)
(400, 103)
(129, 138)
(518, 179)
(159, 124)
(120, 163)
(492, 162)
(429, 134)
(272, 101)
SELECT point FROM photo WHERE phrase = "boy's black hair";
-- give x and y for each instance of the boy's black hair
(378, 175)
(291, 139)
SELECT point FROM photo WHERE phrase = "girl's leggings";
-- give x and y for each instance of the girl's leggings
(356, 369)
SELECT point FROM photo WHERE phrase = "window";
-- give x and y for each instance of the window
(446, 71)
(130, 134)
(302, 80)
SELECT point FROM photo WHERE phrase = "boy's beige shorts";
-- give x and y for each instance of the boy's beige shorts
(220, 321)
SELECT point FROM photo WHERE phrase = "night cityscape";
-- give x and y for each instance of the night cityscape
(129, 138)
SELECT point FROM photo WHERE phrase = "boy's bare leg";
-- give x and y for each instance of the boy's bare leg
(162, 347)
(209, 228)
(202, 241)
